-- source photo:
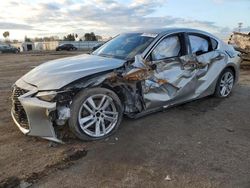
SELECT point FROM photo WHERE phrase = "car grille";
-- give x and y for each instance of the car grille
(18, 110)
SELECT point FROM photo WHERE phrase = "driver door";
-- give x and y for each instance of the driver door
(173, 79)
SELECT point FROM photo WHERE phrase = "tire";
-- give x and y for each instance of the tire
(89, 123)
(225, 83)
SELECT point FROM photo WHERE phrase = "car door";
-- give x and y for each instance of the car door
(208, 60)
(64, 47)
(173, 79)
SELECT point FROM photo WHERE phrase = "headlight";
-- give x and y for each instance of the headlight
(46, 95)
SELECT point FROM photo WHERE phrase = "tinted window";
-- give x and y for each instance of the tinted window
(198, 44)
(168, 47)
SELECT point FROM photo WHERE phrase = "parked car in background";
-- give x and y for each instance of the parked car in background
(4, 48)
(67, 47)
(134, 74)
(97, 46)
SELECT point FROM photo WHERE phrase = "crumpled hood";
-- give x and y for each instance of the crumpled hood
(58, 73)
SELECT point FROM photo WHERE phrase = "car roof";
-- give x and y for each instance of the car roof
(164, 31)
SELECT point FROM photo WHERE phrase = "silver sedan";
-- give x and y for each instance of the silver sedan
(134, 74)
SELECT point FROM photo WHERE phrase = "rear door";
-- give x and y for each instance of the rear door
(208, 61)
(172, 81)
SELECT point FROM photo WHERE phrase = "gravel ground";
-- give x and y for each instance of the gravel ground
(205, 143)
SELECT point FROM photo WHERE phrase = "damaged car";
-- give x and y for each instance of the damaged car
(134, 74)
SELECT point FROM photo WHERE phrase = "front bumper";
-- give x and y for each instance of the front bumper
(37, 113)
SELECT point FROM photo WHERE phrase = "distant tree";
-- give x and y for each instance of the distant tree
(26, 39)
(87, 36)
(37, 39)
(90, 36)
(76, 36)
(98, 37)
(69, 37)
(6, 34)
(46, 39)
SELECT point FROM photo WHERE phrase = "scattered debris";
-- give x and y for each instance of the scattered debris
(167, 178)
(229, 129)
(116, 138)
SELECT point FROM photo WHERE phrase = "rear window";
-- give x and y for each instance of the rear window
(198, 44)
(214, 44)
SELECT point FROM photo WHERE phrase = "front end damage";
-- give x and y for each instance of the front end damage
(31, 115)
(35, 116)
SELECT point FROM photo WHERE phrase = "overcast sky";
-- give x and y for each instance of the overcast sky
(110, 17)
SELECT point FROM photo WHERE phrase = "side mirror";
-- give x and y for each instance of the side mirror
(139, 61)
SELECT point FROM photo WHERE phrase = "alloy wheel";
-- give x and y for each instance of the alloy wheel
(98, 115)
(226, 84)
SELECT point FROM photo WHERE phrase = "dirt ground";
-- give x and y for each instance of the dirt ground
(205, 143)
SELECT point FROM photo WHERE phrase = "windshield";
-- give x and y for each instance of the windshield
(125, 46)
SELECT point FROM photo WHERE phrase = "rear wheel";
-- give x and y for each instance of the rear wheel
(95, 114)
(225, 83)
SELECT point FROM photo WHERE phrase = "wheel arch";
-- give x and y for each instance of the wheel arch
(235, 69)
(127, 95)
(130, 93)
(232, 69)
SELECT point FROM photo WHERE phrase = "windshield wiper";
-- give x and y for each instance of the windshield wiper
(111, 56)
(106, 55)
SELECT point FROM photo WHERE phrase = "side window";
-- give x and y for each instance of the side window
(198, 44)
(214, 44)
(168, 47)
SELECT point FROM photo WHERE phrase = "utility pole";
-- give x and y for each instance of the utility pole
(240, 26)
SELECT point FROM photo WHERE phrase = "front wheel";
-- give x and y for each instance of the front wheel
(95, 114)
(225, 83)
